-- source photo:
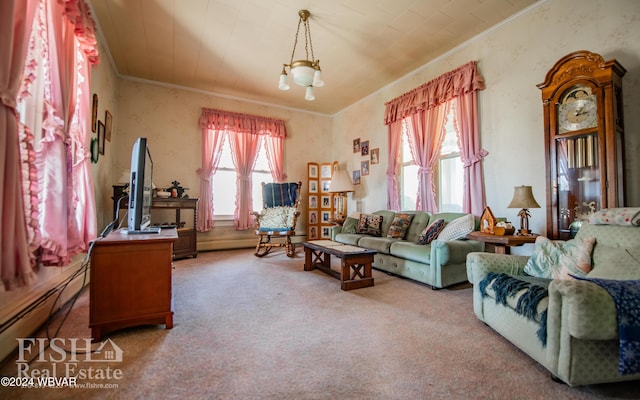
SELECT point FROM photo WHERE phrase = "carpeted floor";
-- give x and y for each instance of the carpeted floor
(262, 328)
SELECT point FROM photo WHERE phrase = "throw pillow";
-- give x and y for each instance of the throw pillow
(458, 228)
(556, 259)
(616, 216)
(432, 231)
(370, 224)
(399, 226)
(349, 225)
(617, 263)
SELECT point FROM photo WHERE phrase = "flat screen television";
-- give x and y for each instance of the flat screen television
(140, 189)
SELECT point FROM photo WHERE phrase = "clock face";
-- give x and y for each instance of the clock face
(577, 110)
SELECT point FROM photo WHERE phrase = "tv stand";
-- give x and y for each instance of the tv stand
(130, 281)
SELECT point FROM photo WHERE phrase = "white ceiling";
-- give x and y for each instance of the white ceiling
(237, 47)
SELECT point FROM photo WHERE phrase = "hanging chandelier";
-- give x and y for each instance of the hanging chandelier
(305, 72)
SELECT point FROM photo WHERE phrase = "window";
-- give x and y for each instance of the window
(450, 172)
(224, 182)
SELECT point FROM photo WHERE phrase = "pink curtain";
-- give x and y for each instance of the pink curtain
(463, 82)
(426, 134)
(212, 142)
(244, 149)
(67, 217)
(245, 132)
(16, 17)
(466, 125)
(395, 141)
(275, 156)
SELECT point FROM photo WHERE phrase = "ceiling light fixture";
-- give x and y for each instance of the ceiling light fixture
(305, 72)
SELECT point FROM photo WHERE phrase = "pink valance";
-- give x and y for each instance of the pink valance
(456, 83)
(242, 123)
(79, 14)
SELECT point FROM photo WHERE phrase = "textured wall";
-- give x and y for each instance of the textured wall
(513, 57)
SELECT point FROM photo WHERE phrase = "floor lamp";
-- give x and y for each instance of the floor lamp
(341, 185)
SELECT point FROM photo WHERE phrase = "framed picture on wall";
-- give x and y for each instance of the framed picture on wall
(364, 148)
(313, 217)
(325, 233)
(313, 201)
(326, 201)
(94, 113)
(326, 216)
(356, 177)
(313, 186)
(313, 171)
(108, 123)
(101, 137)
(356, 145)
(375, 156)
(325, 172)
(364, 167)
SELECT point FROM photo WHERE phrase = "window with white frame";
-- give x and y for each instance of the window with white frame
(224, 182)
(449, 172)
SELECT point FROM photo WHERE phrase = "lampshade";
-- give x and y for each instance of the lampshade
(124, 178)
(341, 182)
(523, 198)
(305, 73)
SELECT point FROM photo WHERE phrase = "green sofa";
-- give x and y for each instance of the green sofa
(438, 264)
(581, 317)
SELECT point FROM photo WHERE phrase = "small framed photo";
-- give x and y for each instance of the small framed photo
(326, 201)
(313, 233)
(375, 155)
(313, 186)
(100, 137)
(313, 171)
(108, 123)
(325, 232)
(356, 145)
(364, 148)
(364, 167)
(313, 217)
(313, 201)
(325, 186)
(325, 171)
(356, 177)
(326, 216)
(94, 113)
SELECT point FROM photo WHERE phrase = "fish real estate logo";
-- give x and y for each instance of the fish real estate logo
(65, 362)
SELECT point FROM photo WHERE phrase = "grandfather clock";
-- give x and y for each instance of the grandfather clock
(584, 140)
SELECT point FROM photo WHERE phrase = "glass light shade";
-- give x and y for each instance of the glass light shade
(308, 94)
(317, 78)
(302, 72)
(284, 83)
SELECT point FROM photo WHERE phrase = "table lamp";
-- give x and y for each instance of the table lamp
(523, 198)
(341, 185)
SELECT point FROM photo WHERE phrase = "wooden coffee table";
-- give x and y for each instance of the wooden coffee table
(355, 267)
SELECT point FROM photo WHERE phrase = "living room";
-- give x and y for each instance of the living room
(513, 57)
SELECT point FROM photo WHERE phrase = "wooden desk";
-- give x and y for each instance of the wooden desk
(130, 281)
(502, 244)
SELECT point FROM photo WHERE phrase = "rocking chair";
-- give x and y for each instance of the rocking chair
(278, 218)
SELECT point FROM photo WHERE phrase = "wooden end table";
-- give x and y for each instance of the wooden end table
(355, 268)
(502, 244)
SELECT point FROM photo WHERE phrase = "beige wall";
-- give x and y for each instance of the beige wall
(168, 117)
(513, 58)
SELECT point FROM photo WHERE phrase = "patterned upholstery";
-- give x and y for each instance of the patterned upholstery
(582, 328)
(278, 218)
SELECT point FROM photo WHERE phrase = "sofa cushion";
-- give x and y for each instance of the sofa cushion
(616, 216)
(399, 225)
(432, 231)
(418, 223)
(380, 244)
(411, 251)
(370, 224)
(459, 228)
(350, 225)
(556, 259)
(348, 238)
(617, 263)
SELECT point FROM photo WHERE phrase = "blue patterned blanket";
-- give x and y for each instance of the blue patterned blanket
(279, 194)
(626, 296)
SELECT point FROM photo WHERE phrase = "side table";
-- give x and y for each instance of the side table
(502, 244)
